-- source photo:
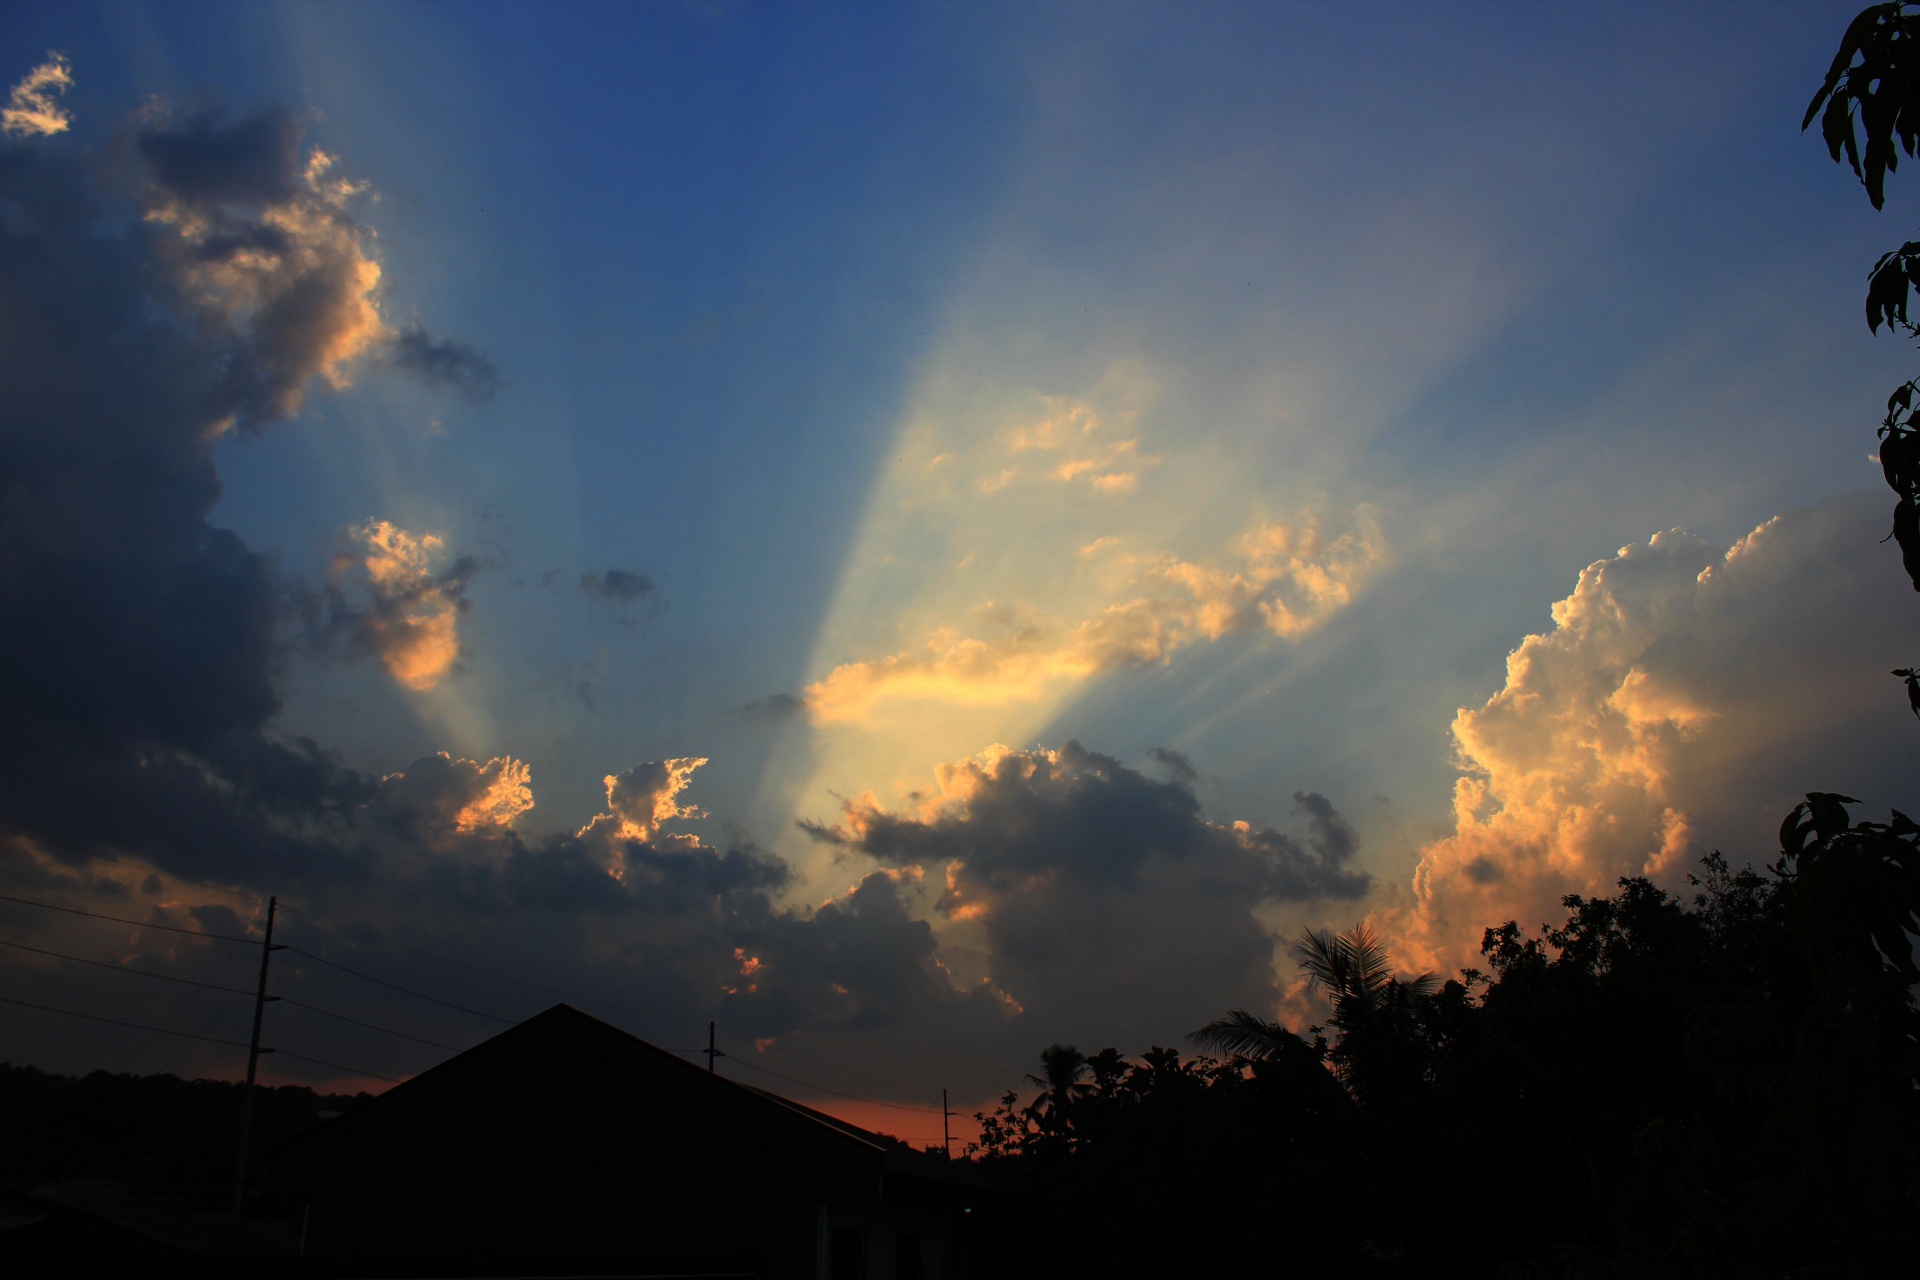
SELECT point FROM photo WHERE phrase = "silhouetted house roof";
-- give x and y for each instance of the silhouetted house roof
(566, 1137)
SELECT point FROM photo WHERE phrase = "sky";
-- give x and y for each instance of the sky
(911, 532)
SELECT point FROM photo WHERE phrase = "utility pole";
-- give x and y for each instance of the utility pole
(260, 998)
(946, 1136)
(710, 1051)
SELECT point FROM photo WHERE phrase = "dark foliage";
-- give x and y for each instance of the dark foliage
(1869, 112)
(1654, 1087)
(157, 1133)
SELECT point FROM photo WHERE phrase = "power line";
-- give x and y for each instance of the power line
(137, 1026)
(651, 1014)
(805, 1084)
(186, 998)
(328, 1013)
(335, 1066)
(140, 973)
(852, 1071)
(138, 924)
(188, 1035)
(394, 986)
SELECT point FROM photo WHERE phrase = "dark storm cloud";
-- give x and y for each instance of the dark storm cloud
(622, 585)
(1108, 901)
(207, 287)
(207, 162)
(446, 363)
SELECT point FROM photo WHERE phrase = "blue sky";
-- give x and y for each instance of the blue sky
(1227, 389)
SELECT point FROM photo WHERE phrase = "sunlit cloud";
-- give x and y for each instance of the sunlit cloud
(266, 244)
(1284, 578)
(399, 606)
(33, 109)
(507, 796)
(647, 795)
(1669, 711)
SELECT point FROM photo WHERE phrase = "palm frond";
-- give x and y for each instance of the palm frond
(1242, 1035)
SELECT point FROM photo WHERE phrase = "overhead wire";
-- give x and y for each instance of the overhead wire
(652, 1014)
(139, 924)
(119, 968)
(186, 998)
(138, 1026)
(394, 986)
(335, 1066)
(808, 1084)
(328, 1013)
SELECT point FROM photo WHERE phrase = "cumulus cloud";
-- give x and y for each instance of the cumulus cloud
(1105, 899)
(264, 249)
(385, 599)
(639, 802)
(216, 277)
(1285, 578)
(219, 278)
(1685, 697)
(33, 109)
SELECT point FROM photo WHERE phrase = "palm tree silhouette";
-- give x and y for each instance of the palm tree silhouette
(1061, 1066)
(1373, 1013)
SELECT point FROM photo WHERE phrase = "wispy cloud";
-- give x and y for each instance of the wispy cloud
(33, 109)
(1285, 578)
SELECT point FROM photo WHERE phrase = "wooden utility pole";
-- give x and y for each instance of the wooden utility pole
(260, 998)
(946, 1136)
(710, 1051)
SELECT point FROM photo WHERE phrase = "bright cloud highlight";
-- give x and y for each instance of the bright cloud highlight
(1286, 578)
(33, 109)
(1669, 711)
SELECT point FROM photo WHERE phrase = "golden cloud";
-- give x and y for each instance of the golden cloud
(33, 108)
(1070, 441)
(299, 283)
(1682, 700)
(412, 618)
(508, 794)
(1286, 578)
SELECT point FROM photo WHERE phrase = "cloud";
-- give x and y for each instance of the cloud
(33, 109)
(215, 277)
(647, 795)
(1105, 899)
(623, 585)
(1070, 442)
(775, 707)
(1685, 697)
(221, 277)
(1178, 764)
(446, 363)
(385, 599)
(263, 249)
(1285, 578)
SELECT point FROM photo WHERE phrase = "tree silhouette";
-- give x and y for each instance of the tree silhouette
(1869, 111)
(1052, 1112)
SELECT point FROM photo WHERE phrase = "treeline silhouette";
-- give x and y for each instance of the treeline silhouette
(1724, 1086)
(154, 1133)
